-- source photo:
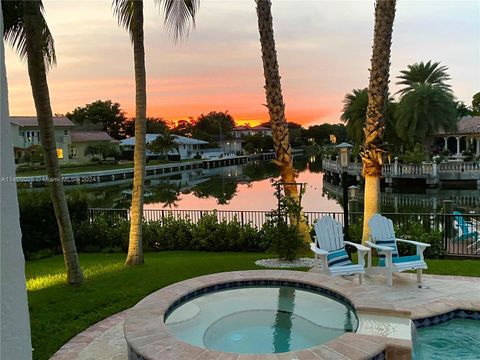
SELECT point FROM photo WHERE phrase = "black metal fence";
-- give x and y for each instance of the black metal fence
(460, 233)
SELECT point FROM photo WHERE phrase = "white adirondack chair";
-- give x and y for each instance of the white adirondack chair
(382, 236)
(330, 248)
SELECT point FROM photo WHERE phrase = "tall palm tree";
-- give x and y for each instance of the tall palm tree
(27, 31)
(179, 14)
(373, 147)
(276, 108)
(424, 73)
(423, 111)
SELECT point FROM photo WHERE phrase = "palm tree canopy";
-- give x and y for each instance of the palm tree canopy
(179, 15)
(424, 110)
(354, 113)
(14, 32)
(424, 73)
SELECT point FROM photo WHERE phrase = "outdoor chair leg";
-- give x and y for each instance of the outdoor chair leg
(419, 276)
(389, 278)
(360, 279)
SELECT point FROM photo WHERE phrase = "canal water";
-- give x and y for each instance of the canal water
(250, 187)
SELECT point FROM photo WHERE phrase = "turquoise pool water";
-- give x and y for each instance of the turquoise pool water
(261, 320)
(454, 339)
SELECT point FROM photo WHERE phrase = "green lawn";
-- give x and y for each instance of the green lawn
(58, 311)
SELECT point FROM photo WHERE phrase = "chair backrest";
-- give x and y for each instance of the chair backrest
(460, 223)
(330, 238)
(329, 234)
(382, 232)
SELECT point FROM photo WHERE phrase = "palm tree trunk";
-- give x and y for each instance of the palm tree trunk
(41, 97)
(372, 154)
(135, 253)
(276, 108)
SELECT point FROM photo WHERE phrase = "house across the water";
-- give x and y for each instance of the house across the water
(70, 144)
(465, 138)
(186, 148)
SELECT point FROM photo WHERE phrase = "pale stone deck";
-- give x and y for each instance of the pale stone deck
(440, 294)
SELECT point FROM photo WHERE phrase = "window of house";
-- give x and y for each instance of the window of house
(65, 132)
(60, 153)
(72, 152)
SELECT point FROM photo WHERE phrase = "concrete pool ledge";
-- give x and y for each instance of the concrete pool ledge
(441, 294)
(148, 338)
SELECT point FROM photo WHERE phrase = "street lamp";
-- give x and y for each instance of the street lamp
(344, 153)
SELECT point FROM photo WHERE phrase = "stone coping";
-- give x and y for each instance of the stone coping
(148, 338)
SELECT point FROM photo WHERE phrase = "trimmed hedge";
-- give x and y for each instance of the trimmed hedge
(208, 234)
(38, 222)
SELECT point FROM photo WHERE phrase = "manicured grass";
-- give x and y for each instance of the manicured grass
(59, 311)
(454, 267)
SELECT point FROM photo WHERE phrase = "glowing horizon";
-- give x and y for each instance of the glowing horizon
(324, 50)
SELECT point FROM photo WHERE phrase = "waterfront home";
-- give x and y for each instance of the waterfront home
(242, 131)
(26, 134)
(186, 148)
(465, 138)
(81, 140)
(70, 144)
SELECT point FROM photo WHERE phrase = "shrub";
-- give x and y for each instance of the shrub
(283, 239)
(38, 222)
(418, 232)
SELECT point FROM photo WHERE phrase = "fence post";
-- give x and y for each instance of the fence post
(447, 222)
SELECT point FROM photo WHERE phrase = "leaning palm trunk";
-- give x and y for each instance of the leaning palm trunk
(135, 254)
(372, 154)
(41, 97)
(276, 109)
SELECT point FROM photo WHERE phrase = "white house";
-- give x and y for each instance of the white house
(186, 148)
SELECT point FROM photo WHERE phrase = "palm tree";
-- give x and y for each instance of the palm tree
(354, 113)
(373, 148)
(423, 111)
(163, 143)
(424, 73)
(27, 31)
(276, 108)
(178, 16)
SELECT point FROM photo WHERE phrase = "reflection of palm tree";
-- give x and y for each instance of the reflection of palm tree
(348, 326)
(282, 334)
(218, 188)
(168, 194)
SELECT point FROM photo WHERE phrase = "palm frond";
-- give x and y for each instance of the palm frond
(14, 32)
(424, 73)
(123, 10)
(179, 16)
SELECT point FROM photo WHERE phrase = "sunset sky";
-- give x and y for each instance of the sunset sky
(324, 49)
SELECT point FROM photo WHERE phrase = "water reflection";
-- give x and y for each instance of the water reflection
(249, 187)
(282, 328)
